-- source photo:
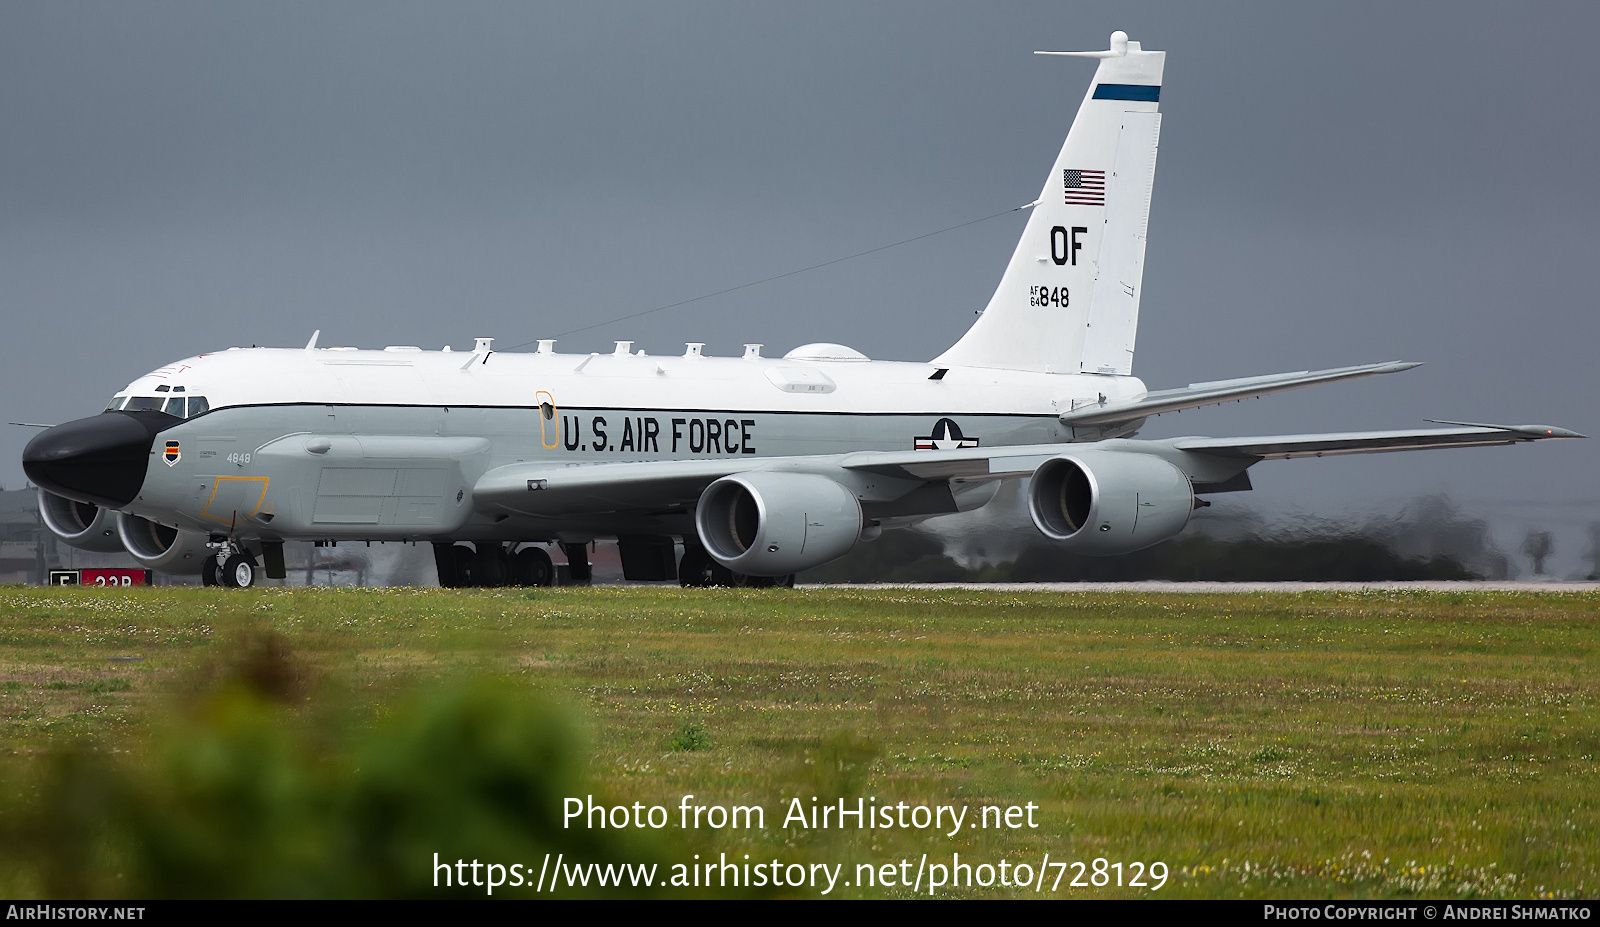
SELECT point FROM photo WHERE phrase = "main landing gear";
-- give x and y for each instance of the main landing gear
(697, 569)
(487, 563)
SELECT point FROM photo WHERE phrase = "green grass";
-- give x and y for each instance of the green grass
(690, 735)
(1382, 744)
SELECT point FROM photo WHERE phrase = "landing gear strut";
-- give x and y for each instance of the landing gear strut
(492, 566)
(454, 563)
(579, 572)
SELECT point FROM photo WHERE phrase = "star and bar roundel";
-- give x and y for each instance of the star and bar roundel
(946, 436)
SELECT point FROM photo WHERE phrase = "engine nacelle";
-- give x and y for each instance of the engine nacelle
(1106, 502)
(160, 548)
(83, 525)
(773, 523)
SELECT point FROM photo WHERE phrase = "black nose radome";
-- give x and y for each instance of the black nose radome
(101, 459)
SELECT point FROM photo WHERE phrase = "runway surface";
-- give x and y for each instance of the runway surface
(1208, 587)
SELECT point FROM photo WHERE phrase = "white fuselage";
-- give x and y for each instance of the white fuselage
(265, 404)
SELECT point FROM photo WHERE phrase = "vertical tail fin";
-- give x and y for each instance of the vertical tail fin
(1069, 300)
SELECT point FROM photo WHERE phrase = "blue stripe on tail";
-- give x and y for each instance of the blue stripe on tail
(1137, 92)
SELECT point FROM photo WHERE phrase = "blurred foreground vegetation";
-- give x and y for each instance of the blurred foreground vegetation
(326, 743)
(251, 787)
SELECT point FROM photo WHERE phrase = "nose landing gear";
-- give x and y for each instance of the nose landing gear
(239, 571)
(232, 566)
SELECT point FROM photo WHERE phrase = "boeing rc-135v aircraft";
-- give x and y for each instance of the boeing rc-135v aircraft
(762, 467)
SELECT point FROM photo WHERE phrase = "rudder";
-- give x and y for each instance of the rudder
(1113, 319)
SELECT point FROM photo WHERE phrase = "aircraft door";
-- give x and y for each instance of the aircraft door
(549, 420)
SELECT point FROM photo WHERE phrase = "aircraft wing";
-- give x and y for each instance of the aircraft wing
(1219, 391)
(974, 463)
(1020, 460)
(666, 486)
(656, 485)
(1285, 447)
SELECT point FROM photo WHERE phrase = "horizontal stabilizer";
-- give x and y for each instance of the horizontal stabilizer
(1219, 391)
(1285, 447)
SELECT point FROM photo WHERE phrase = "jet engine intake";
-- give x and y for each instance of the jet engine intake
(1108, 502)
(158, 547)
(83, 525)
(773, 523)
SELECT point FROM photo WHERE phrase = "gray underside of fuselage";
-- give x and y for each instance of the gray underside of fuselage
(343, 472)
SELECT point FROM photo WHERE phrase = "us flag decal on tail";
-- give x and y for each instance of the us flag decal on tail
(1084, 188)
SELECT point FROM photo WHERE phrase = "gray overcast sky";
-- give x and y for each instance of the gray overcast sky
(1338, 183)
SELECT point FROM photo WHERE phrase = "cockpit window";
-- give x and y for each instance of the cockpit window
(175, 406)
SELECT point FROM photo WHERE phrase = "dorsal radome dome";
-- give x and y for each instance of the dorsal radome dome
(826, 351)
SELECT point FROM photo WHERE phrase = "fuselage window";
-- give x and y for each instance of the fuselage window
(198, 405)
(143, 404)
(174, 406)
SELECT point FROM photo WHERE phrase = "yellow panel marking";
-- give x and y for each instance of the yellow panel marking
(206, 512)
(549, 427)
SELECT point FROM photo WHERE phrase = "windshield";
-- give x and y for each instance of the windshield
(175, 406)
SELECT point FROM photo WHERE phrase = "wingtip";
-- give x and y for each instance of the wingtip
(1535, 432)
(1538, 432)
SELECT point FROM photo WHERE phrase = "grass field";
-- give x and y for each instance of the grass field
(1379, 744)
